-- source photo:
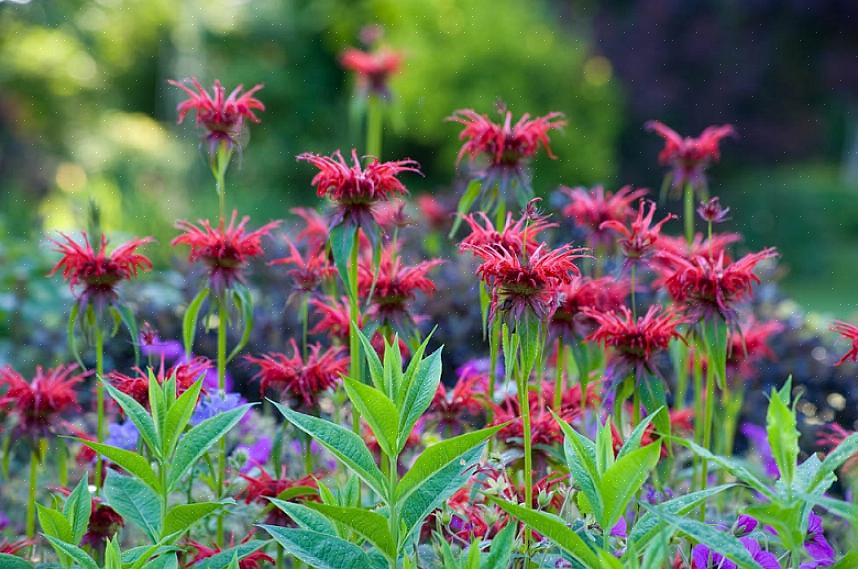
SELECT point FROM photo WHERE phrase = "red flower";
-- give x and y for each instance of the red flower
(39, 403)
(515, 237)
(747, 347)
(13, 547)
(635, 341)
(531, 284)
(453, 407)
(544, 429)
(391, 215)
(678, 246)
(589, 209)
(301, 378)
(104, 522)
(250, 561)
(315, 231)
(394, 286)
(97, 272)
(710, 287)
(602, 295)
(263, 486)
(830, 437)
(373, 69)
(137, 386)
(638, 240)
(309, 272)
(850, 333)
(711, 211)
(224, 250)
(433, 211)
(507, 146)
(354, 189)
(222, 116)
(334, 317)
(688, 157)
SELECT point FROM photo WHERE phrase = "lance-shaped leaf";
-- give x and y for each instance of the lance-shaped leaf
(581, 458)
(730, 466)
(319, 550)
(138, 415)
(179, 415)
(243, 301)
(182, 516)
(129, 461)
(376, 369)
(135, 502)
(77, 510)
(378, 411)
(468, 198)
(224, 558)
(421, 384)
(623, 479)
(79, 556)
(370, 525)
(835, 459)
(783, 432)
(305, 517)
(53, 523)
(348, 447)
(342, 240)
(189, 322)
(500, 551)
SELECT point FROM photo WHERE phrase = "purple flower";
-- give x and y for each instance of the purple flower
(257, 453)
(704, 558)
(756, 435)
(122, 435)
(816, 545)
(620, 529)
(745, 525)
(169, 350)
(214, 404)
(210, 381)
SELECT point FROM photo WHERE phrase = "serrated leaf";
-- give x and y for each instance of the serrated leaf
(201, 438)
(376, 369)
(76, 553)
(53, 523)
(138, 415)
(501, 549)
(783, 435)
(581, 458)
(622, 481)
(378, 411)
(179, 415)
(370, 525)
(77, 510)
(182, 516)
(129, 461)
(224, 558)
(634, 440)
(319, 550)
(555, 529)
(305, 517)
(345, 445)
(135, 502)
(419, 390)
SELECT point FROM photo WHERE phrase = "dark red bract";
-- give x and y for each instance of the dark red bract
(849, 333)
(39, 404)
(253, 560)
(355, 189)
(303, 379)
(96, 273)
(688, 157)
(224, 250)
(590, 208)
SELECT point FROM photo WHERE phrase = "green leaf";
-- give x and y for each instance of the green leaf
(654, 400)
(243, 301)
(376, 369)
(129, 461)
(224, 558)
(848, 561)
(126, 315)
(438, 456)
(730, 466)
(305, 517)
(581, 458)
(419, 390)
(348, 447)
(178, 416)
(77, 510)
(182, 516)
(370, 525)
(135, 502)
(342, 238)
(784, 518)
(72, 339)
(782, 434)
(189, 322)
(716, 539)
(501, 549)
(555, 529)
(378, 411)
(54, 524)
(472, 192)
(648, 525)
(623, 480)
(715, 345)
(319, 550)
(76, 553)
(200, 439)
(840, 454)
(12, 562)
(138, 415)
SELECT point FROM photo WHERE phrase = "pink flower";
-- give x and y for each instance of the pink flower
(309, 271)
(590, 209)
(689, 157)
(849, 333)
(38, 404)
(373, 69)
(638, 240)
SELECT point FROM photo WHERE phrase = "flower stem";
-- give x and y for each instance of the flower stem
(558, 379)
(709, 408)
(222, 318)
(304, 314)
(393, 477)
(31, 495)
(632, 285)
(374, 126)
(524, 404)
(99, 402)
(689, 213)
(354, 318)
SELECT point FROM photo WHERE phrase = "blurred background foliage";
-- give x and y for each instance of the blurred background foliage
(86, 113)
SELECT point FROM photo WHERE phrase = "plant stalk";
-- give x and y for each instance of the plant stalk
(222, 318)
(99, 403)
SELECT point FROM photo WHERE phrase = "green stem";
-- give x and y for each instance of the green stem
(63, 465)
(222, 318)
(524, 403)
(308, 454)
(31, 494)
(304, 315)
(393, 476)
(99, 402)
(374, 126)
(632, 285)
(354, 318)
(709, 407)
(698, 409)
(558, 379)
(636, 407)
(689, 213)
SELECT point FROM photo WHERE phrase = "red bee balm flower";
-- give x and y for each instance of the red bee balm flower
(589, 209)
(355, 189)
(603, 295)
(689, 157)
(394, 286)
(373, 69)
(39, 403)
(98, 273)
(635, 341)
(310, 270)
(222, 116)
(514, 236)
(710, 287)
(638, 240)
(225, 250)
(302, 378)
(850, 333)
(530, 284)
(507, 146)
(137, 386)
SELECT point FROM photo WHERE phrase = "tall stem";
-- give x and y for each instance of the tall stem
(99, 402)
(305, 302)
(374, 126)
(393, 476)
(354, 317)
(709, 407)
(222, 318)
(632, 286)
(558, 378)
(31, 494)
(524, 403)
(689, 213)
